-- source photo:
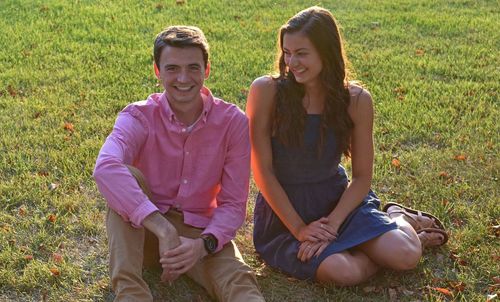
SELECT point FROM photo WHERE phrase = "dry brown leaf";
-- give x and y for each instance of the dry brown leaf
(180, 2)
(55, 271)
(57, 257)
(419, 52)
(396, 163)
(496, 279)
(443, 174)
(458, 259)
(444, 291)
(460, 157)
(69, 127)
(458, 286)
(28, 257)
(12, 91)
(43, 173)
(22, 211)
(52, 218)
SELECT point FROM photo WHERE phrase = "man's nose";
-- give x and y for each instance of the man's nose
(183, 76)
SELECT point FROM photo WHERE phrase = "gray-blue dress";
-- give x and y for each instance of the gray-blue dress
(314, 185)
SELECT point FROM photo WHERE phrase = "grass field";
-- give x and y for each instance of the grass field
(68, 67)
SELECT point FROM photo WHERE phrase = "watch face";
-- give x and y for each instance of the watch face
(210, 243)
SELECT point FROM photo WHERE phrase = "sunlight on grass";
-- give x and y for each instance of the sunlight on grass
(68, 67)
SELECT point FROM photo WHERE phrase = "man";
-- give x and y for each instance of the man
(175, 172)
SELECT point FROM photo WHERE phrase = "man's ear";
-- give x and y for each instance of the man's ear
(207, 70)
(157, 71)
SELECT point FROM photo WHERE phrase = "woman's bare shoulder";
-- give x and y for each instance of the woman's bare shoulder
(361, 101)
(262, 91)
(264, 83)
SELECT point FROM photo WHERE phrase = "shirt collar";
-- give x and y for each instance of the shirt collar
(207, 97)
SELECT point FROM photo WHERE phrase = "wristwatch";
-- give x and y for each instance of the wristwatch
(210, 243)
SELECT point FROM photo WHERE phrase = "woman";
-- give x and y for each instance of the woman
(310, 221)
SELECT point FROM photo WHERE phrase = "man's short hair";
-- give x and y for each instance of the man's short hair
(180, 36)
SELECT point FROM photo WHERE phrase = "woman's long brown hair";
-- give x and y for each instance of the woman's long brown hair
(319, 25)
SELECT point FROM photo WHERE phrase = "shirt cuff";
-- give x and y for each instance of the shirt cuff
(141, 212)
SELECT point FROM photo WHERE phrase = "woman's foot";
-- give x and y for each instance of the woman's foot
(416, 220)
(432, 237)
(430, 230)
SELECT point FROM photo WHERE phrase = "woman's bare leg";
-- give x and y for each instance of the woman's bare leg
(346, 268)
(399, 249)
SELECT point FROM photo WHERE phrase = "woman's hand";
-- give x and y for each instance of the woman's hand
(308, 249)
(318, 230)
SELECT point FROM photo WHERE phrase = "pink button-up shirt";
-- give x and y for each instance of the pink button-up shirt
(203, 171)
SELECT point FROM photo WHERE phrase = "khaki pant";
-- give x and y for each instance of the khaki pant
(224, 274)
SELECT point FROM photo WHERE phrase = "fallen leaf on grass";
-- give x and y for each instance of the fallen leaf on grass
(443, 174)
(419, 52)
(43, 173)
(396, 163)
(69, 127)
(443, 290)
(496, 279)
(55, 271)
(22, 211)
(458, 222)
(458, 259)
(28, 257)
(180, 2)
(458, 286)
(460, 157)
(52, 218)
(11, 91)
(57, 257)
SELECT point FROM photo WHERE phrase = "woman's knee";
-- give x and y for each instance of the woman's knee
(405, 256)
(338, 270)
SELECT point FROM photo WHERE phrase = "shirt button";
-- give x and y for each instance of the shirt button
(184, 181)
